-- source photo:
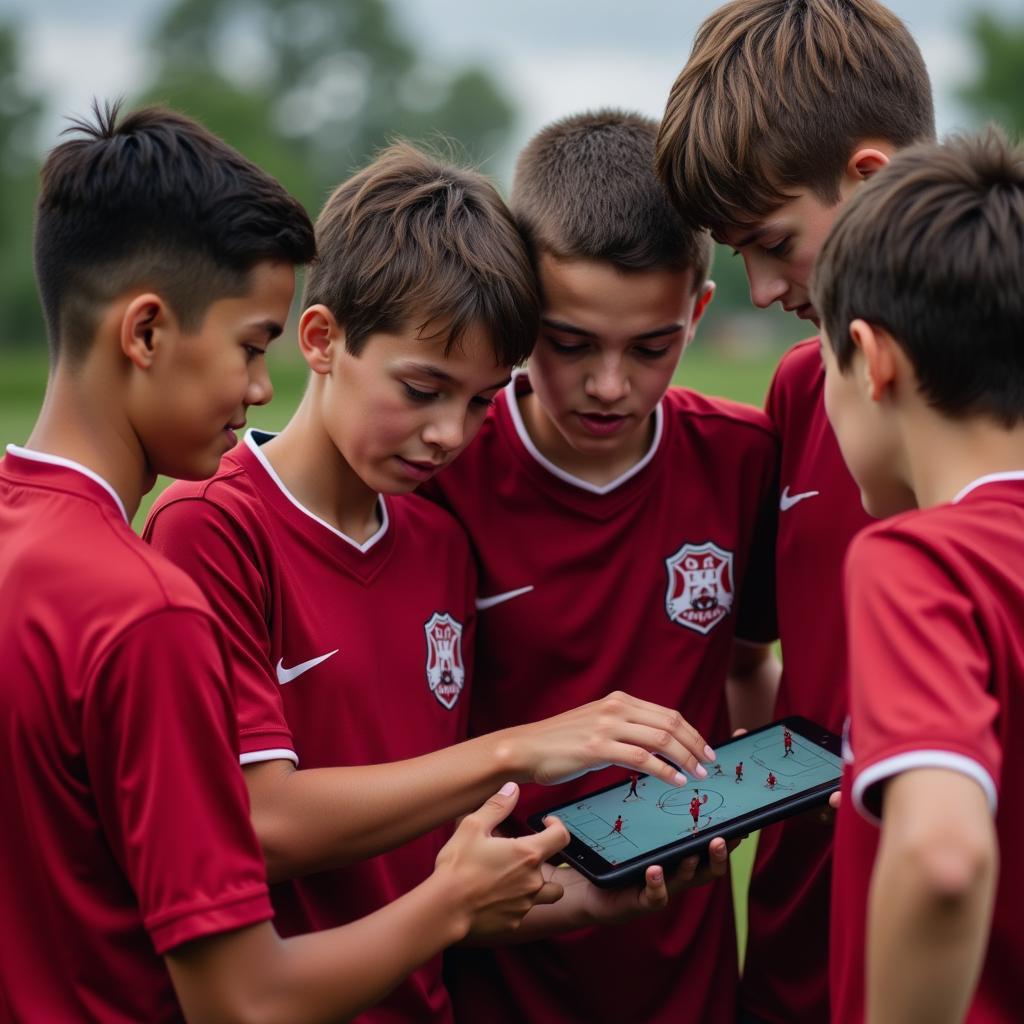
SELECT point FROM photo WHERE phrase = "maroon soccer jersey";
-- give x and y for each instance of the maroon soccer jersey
(346, 654)
(785, 975)
(934, 603)
(125, 818)
(640, 585)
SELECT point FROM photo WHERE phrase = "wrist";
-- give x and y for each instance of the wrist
(509, 755)
(449, 907)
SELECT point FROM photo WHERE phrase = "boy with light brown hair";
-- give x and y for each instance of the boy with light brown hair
(623, 528)
(783, 110)
(349, 603)
(921, 291)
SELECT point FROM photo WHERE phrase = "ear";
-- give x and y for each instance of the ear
(880, 363)
(866, 159)
(704, 296)
(145, 323)
(319, 337)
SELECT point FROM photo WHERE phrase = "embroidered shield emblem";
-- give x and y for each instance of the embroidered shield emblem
(446, 672)
(700, 586)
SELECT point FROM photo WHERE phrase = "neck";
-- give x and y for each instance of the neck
(77, 422)
(318, 476)
(597, 469)
(947, 455)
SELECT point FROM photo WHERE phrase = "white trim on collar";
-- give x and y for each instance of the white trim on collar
(561, 474)
(991, 478)
(59, 460)
(250, 440)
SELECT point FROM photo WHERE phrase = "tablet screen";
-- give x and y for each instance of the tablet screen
(752, 772)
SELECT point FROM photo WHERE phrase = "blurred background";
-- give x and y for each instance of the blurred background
(309, 89)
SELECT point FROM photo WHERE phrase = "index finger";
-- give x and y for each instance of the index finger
(660, 717)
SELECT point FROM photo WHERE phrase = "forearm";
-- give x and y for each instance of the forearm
(929, 911)
(320, 818)
(751, 686)
(252, 975)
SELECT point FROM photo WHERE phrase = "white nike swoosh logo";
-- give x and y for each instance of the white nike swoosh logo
(286, 675)
(483, 603)
(787, 500)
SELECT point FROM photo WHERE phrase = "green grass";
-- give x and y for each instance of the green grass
(23, 378)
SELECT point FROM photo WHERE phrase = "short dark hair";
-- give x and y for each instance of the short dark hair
(585, 188)
(932, 250)
(412, 241)
(153, 199)
(776, 95)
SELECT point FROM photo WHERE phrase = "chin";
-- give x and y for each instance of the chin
(881, 506)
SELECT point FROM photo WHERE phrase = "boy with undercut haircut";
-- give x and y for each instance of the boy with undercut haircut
(132, 885)
(349, 601)
(619, 529)
(921, 292)
(783, 109)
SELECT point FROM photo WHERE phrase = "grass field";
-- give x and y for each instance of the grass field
(23, 377)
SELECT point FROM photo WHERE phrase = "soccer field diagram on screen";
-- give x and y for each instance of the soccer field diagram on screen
(751, 773)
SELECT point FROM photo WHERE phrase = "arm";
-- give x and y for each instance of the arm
(313, 819)
(752, 684)
(481, 883)
(931, 897)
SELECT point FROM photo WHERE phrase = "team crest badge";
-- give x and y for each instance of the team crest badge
(446, 672)
(700, 586)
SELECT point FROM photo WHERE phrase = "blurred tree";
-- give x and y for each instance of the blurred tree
(20, 111)
(998, 90)
(310, 89)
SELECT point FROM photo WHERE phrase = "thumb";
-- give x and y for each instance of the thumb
(498, 807)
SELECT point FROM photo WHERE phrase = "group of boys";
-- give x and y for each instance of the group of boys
(610, 552)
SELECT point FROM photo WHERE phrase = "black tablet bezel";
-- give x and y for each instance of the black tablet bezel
(591, 864)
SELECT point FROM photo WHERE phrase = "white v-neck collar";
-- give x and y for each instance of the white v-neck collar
(59, 460)
(250, 440)
(556, 471)
(990, 478)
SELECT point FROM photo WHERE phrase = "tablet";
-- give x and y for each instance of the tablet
(771, 773)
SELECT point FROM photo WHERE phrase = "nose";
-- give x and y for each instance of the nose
(446, 429)
(607, 382)
(261, 389)
(766, 285)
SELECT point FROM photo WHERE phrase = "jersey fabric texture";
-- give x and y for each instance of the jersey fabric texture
(785, 975)
(125, 817)
(937, 681)
(346, 654)
(639, 585)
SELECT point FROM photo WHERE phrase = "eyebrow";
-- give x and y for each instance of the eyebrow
(567, 328)
(269, 327)
(438, 374)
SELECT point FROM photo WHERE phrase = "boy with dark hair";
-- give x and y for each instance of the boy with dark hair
(349, 602)
(784, 108)
(129, 871)
(616, 524)
(921, 292)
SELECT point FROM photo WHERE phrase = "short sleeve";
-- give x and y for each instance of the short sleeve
(160, 747)
(202, 539)
(919, 670)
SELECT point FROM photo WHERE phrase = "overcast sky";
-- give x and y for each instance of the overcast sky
(555, 57)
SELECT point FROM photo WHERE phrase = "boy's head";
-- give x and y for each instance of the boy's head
(623, 283)
(921, 291)
(783, 108)
(421, 300)
(159, 238)
(153, 199)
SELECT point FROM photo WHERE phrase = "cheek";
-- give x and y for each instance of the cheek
(554, 378)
